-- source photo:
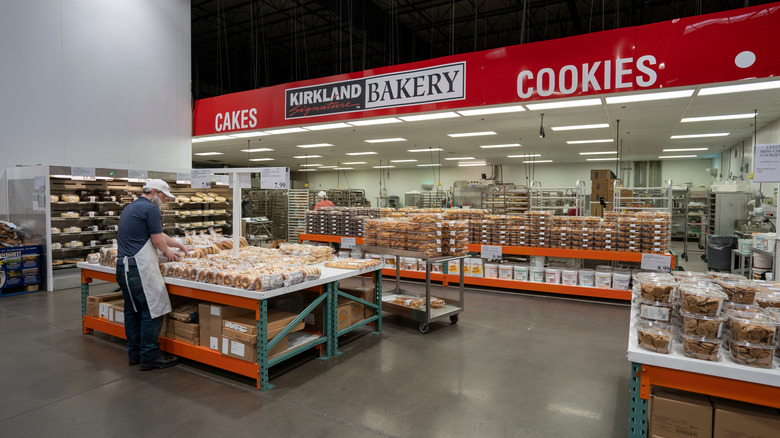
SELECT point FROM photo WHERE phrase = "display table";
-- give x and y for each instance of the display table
(723, 378)
(326, 285)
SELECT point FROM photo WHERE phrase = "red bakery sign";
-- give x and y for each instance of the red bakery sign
(728, 46)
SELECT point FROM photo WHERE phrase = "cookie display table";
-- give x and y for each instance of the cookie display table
(723, 378)
(326, 342)
(582, 291)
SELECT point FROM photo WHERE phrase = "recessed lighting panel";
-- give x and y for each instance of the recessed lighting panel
(384, 167)
(602, 159)
(686, 149)
(375, 122)
(459, 158)
(384, 140)
(601, 140)
(307, 170)
(564, 104)
(678, 156)
(315, 145)
(575, 127)
(471, 134)
(343, 168)
(471, 164)
(598, 153)
(327, 126)
(403, 161)
(486, 111)
(647, 97)
(354, 162)
(302, 157)
(214, 138)
(261, 159)
(285, 131)
(249, 134)
(524, 156)
(716, 118)
(360, 153)
(425, 150)
(711, 134)
(434, 116)
(741, 88)
(429, 165)
(311, 165)
(497, 146)
(257, 150)
(208, 153)
(537, 161)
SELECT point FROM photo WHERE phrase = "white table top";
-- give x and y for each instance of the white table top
(725, 367)
(328, 275)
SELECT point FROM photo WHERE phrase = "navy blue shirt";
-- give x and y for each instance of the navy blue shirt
(138, 222)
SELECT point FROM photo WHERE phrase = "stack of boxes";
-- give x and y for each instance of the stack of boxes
(539, 224)
(561, 233)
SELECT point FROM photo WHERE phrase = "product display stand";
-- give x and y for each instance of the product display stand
(427, 315)
(722, 378)
(327, 341)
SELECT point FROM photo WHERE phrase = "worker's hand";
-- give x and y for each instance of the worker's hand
(186, 249)
(172, 255)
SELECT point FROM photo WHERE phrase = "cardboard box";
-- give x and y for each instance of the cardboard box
(680, 414)
(248, 350)
(360, 311)
(344, 316)
(741, 420)
(210, 317)
(597, 210)
(604, 174)
(116, 312)
(93, 302)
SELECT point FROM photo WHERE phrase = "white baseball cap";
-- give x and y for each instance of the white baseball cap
(160, 185)
(321, 194)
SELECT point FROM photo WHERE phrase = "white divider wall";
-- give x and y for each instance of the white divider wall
(95, 83)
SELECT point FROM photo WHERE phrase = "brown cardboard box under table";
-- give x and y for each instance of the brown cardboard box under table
(741, 420)
(677, 414)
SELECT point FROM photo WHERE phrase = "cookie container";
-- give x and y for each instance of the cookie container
(768, 298)
(655, 336)
(702, 300)
(754, 355)
(656, 288)
(700, 347)
(702, 325)
(655, 310)
(739, 291)
(755, 327)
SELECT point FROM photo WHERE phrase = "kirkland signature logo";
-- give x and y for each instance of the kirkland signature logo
(413, 87)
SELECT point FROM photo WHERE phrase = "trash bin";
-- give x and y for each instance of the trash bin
(719, 248)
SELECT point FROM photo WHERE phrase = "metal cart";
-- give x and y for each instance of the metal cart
(426, 315)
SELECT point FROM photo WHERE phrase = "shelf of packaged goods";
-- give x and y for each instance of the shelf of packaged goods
(84, 218)
(78, 233)
(326, 342)
(635, 257)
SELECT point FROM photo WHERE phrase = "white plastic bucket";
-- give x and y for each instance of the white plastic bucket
(603, 279)
(587, 277)
(505, 272)
(491, 270)
(552, 275)
(569, 277)
(621, 280)
(537, 275)
(521, 272)
(761, 261)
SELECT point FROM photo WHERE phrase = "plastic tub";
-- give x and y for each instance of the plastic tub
(768, 298)
(755, 327)
(700, 347)
(603, 278)
(740, 291)
(702, 300)
(754, 355)
(505, 272)
(701, 325)
(689, 275)
(621, 280)
(491, 270)
(587, 277)
(521, 272)
(655, 311)
(657, 289)
(552, 275)
(537, 275)
(655, 336)
(569, 277)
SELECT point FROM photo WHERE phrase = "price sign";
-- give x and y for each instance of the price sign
(137, 176)
(656, 262)
(767, 163)
(200, 179)
(183, 178)
(40, 183)
(490, 252)
(347, 243)
(275, 178)
(221, 180)
(82, 173)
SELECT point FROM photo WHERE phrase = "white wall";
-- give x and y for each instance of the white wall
(730, 164)
(95, 83)
(687, 171)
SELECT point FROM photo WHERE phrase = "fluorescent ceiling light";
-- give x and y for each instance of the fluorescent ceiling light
(498, 110)
(384, 140)
(354, 162)
(712, 134)
(215, 137)
(564, 104)
(715, 118)
(524, 156)
(496, 146)
(285, 131)
(315, 145)
(472, 134)
(361, 153)
(256, 150)
(197, 140)
(420, 117)
(678, 156)
(537, 161)
(741, 88)
(327, 126)
(460, 158)
(429, 165)
(686, 149)
(307, 170)
(374, 122)
(384, 167)
(471, 164)
(602, 159)
(646, 97)
(425, 150)
(598, 153)
(402, 161)
(311, 165)
(307, 156)
(209, 153)
(573, 127)
(343, 168)
(249, 134)
(261, 159)
(601, 140)
(327, 167)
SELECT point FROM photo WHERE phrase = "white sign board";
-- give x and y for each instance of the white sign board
(766, 159)
(490, 252)
(83, 173)
(656, 262)
(201, 179)
(347, 243)
(183, 177)
(137, 176)
(275, 178)
(221, 180)
(40, 183)
(244, 180)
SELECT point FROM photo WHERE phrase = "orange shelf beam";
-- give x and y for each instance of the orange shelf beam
(325, 238)
(740, 390)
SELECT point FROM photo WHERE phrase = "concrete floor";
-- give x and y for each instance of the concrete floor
(515, 365)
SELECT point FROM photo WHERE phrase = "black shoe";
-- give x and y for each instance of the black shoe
(133, 362)
(161, 362)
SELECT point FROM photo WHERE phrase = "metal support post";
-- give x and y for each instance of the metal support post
(84, 296)
(262, 344)
(333, 317)
(378, 301)
(637, 413)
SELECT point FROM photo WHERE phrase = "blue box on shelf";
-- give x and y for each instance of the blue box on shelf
(19, 266)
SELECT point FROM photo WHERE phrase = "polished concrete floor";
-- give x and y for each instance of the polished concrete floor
(515, 365)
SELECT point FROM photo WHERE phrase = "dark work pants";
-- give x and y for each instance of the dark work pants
(141, 329)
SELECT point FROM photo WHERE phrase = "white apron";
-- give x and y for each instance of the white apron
(151, 280)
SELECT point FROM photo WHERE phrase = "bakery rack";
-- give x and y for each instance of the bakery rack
(297, 206)
(558, 199)
(426, 315)
(643, 198)
(507, 199)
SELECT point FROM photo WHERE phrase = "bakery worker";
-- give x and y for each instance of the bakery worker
(139, 237)
(324, 202)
